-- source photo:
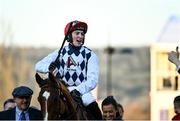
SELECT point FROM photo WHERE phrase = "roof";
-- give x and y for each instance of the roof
(171, 31)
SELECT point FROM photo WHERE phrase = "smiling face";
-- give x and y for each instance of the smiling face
(78, 38)
(109, 112)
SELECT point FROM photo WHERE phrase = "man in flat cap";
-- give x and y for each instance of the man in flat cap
(22, 97)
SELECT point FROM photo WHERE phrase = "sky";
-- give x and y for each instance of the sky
(40, 23)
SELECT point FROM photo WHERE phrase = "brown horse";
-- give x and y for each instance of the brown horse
(56, 102)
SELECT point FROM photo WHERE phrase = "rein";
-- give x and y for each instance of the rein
(62, 98)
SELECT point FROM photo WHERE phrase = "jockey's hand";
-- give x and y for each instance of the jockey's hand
(173, 58)
(76, 96)
(53, 66)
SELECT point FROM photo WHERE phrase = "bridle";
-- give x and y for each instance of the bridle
(56, 101)
(60, 98)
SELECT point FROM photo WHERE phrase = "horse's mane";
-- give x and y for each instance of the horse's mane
(67, 95)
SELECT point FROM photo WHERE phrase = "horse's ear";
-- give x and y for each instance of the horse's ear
(38, 79)
(52, 77)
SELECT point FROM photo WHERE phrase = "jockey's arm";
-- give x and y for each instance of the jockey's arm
(92, 76)
(43, 65)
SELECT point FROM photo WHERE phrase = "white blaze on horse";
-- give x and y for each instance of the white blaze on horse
(46, 95)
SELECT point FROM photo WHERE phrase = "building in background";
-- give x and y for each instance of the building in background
(131, 70)
(165, 81)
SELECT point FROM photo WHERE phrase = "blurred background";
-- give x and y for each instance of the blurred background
(131, 38)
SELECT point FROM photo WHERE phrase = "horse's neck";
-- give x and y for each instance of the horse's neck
(68, 97)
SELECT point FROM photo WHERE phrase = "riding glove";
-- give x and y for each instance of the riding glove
(54, 65)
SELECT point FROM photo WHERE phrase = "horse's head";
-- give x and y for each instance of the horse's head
(54, 98)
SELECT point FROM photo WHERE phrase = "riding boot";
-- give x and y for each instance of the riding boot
(94, 110)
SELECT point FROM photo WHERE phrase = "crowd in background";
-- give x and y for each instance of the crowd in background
(18, 107)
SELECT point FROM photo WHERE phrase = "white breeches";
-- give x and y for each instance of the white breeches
(88, 99)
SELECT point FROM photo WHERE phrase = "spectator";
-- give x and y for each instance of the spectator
(9, 104)
(173, 57)
(120, 110)
(22, 97)
(176, 108)
(109, 109)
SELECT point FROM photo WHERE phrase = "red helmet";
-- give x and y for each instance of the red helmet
(75, 25)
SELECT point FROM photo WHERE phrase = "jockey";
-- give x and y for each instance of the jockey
(78, 66)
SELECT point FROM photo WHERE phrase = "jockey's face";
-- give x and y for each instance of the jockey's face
(78, 38)
(109, 112)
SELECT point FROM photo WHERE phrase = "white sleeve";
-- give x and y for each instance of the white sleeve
(43, 65)
(92, 75)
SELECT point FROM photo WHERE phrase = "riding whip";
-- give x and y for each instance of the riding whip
(65, 38)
